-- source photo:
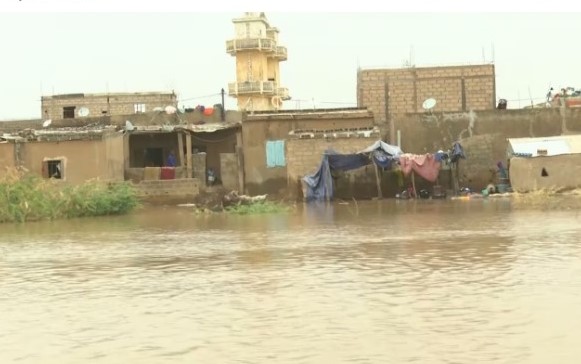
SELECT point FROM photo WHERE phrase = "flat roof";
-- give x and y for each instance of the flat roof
(81, 95)
(305, 113)
(439, 66)
(555, 145)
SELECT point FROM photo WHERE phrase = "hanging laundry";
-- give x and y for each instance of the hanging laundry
(457, 152)
(425, 165)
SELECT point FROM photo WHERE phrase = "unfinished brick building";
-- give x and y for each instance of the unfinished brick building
(392, 92)
(70, 106)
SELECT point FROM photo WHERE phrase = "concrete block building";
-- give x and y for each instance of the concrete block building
(390, 93)
(71, 106)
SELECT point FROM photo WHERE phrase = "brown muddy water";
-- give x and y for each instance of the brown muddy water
(394, 282)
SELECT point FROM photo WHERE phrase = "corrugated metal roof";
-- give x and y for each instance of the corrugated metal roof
(556, 145)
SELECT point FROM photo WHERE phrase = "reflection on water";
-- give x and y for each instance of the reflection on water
(380, 282)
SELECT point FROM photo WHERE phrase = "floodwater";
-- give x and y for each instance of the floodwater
(381, 282)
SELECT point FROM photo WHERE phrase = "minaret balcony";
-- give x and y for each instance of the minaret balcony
(248, 44)
(258, 87)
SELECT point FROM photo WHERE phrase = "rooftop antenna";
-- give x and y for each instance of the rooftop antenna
(483, 56)
(492, 52)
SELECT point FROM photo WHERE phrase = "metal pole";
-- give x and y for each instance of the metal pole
(399, 138)
(223, 115)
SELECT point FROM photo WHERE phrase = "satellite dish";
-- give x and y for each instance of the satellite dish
(128, 125)
(429, 104)
(170, 109)
(83, 111)
(46, 123)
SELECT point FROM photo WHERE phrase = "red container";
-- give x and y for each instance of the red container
(168, 173)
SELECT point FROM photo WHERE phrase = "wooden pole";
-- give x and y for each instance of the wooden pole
(456, 178)
(189, 157)
(180, 153)
(378, 181)
(414, 184)
(240, 159)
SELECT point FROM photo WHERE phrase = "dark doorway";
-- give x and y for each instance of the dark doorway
(153, 157)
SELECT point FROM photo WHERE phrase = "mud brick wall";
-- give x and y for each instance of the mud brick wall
(229, 171)
(169, 188)
(482, 154)
(199, 166)
(562, 172)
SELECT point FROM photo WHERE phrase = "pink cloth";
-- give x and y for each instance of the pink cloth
(424, 165)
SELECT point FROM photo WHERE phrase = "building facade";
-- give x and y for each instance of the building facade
(258, 56)
(391, 93)
(66, 154)
(71, 106)
(266, 137)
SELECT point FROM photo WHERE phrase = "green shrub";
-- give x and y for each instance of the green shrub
(26, 197)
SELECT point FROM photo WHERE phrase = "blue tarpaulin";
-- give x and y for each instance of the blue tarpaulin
(382, 159)
(347, 162)
(320, 184)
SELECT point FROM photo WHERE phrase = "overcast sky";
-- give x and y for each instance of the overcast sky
(58, 53)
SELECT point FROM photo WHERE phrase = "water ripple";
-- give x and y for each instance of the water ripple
(396, 283)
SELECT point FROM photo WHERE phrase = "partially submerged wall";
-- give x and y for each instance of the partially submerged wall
(174, 188)
(305, 155)
(259, 128)
(483, 135)
(553, 173)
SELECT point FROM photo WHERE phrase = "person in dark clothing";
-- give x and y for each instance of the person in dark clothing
(171, 160)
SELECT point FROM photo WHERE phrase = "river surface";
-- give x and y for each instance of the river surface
(381, 282)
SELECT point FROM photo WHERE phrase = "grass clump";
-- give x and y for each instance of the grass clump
(27, 197)
(263, 207)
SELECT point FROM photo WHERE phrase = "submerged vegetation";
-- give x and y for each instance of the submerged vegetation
(263, 207)
(26, 197)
